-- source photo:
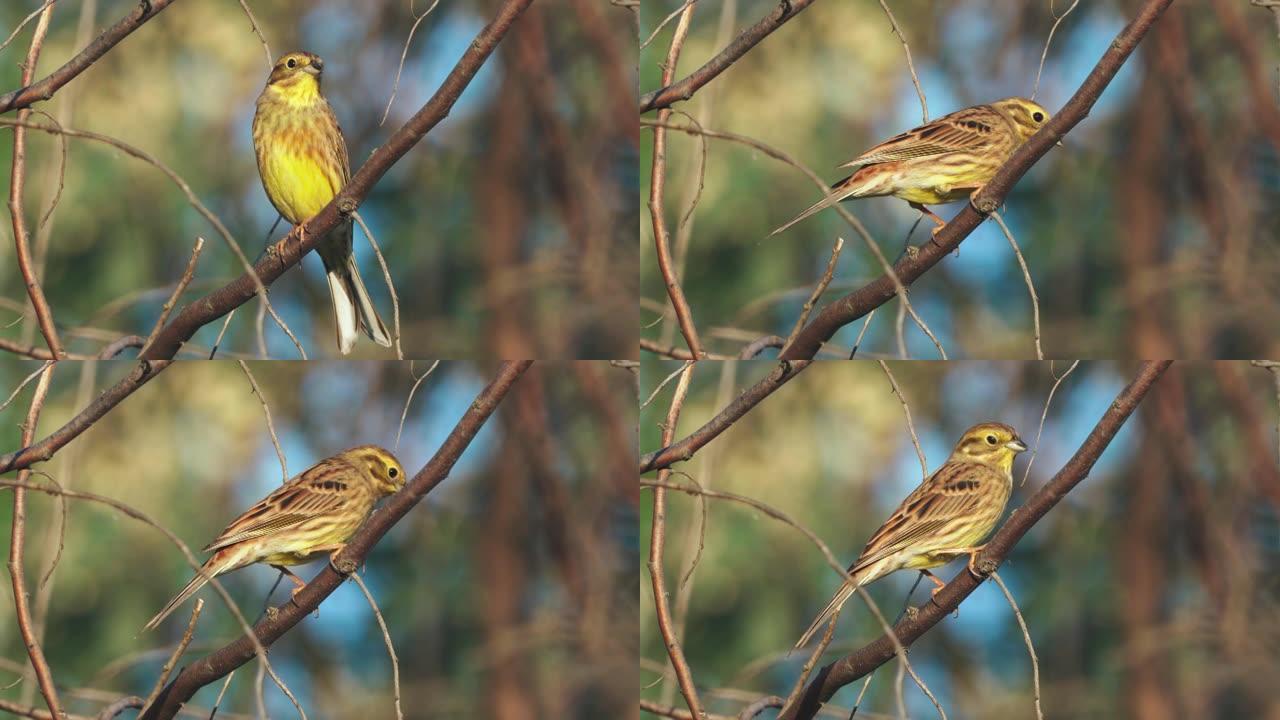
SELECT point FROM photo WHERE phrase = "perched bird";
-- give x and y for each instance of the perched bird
(944, 518)
(316, 511)
(302, 159)
(941, 161)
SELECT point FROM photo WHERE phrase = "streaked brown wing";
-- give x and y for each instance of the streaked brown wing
(335, 140)
(319, 490)
(951, 492)
(967, 129)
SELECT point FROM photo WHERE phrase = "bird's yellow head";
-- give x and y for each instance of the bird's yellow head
(1027, 116)
(297, 72)
(991, 444)
(382, 467)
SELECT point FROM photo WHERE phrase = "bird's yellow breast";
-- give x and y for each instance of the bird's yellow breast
(301, 156)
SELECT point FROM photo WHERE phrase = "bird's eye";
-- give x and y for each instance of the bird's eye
(991, 439)
(1037, 116)
(291, 63)
(393, 472)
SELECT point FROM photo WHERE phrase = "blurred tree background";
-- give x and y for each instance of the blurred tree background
(1164, 202)
(506, 592)
(1150, 591)
(517, 210)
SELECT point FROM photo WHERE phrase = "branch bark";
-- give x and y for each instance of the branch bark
(219, 663)
(286, 253)
(50, 84)
(684, 89)
(861, 662)
(858, 303)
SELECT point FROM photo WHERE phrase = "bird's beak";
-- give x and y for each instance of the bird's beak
(1016, 445)
(315, 68)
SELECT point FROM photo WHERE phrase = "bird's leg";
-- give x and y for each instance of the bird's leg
(298, 582)
(935, 580)
(929, 214)
(344, 568)
(973, 559)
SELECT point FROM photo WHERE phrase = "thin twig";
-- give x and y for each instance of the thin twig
(177, 292)
(409, 400)
(906, 410)
(1049, 40)
(386, 638)
(271, 427)
(818, 289)
(253, 25)
(657, 543)
(1026, 636)
(1026, 276)
(1035, 447)
(395, 86)
(924, 105)
(812, 662)
(172, 662)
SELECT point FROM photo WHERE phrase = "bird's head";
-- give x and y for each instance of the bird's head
(991, 444)
(381, 466)
(1027, 115)
(297, 70)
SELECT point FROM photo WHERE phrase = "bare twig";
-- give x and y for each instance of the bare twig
(915, 80)
(386, 638)
(657, 186)
(253, 25)
(1026, 277)
(271, 427)
(51, 83)
(906, 410)
(17, 183)
(1026, 636)
(1035, 447)
(17, 542)
(1047, 42)
(818, 289)
(684, 449)
(409, 400)
(177, 293)
(657, 543)
(395, 86)
(172, 662)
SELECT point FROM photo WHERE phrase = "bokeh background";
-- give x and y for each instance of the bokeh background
(510, 228)
(1150, 590)
(507, 591)
(1163, 207)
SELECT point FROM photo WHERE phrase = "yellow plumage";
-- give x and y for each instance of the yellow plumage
(941, 161)
(946, 517)
(302, 158)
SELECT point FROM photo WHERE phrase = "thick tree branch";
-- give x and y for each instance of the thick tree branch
(685, 448)
(44, 449)
(290, 250)
(46, 87)
(685, 88)
(226, 659)
(858, 303)
(857, 664)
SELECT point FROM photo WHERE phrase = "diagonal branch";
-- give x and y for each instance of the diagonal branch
(112, 396)
(861, 662)
(674, 452)
(226, 659)
(684, 89)
(858, 303)
(46, 87)
(302, 239)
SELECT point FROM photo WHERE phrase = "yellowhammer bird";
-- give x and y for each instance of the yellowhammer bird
(941, 161)
(944, 518)
(316, 511)
(302, 159)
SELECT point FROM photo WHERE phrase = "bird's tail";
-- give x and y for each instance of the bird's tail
(215, 565)
(842, 190)
(352, 308)
(841, 597)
